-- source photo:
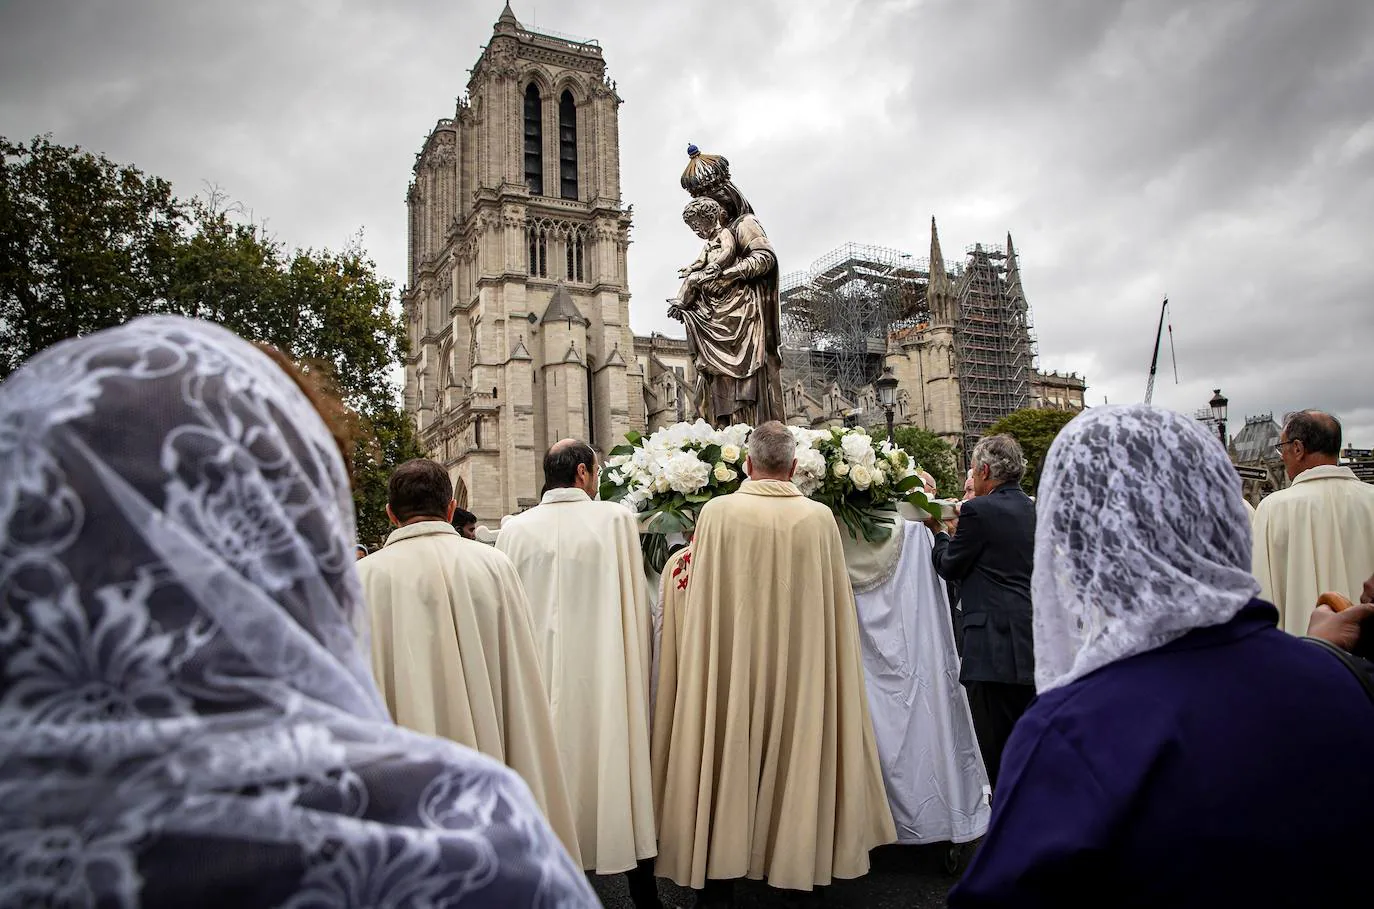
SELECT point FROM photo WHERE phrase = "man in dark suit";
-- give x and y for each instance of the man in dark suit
(990, 557)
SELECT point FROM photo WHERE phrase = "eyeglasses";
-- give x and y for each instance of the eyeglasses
(1279, 446)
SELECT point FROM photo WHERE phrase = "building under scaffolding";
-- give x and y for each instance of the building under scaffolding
(836, 316)
(845, 315)
(994, 353)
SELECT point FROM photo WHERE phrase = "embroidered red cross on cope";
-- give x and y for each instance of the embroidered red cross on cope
(681, 571)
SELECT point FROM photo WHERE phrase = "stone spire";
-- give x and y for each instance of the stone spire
(507, 22)
(939, 278)
(1014, 291)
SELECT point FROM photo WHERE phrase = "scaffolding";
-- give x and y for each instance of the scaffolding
(994, 352)
(836, 315)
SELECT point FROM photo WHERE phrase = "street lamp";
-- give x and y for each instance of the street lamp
(1218, 405)
(887, 396)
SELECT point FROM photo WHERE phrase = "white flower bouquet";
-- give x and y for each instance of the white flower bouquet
(666, 477)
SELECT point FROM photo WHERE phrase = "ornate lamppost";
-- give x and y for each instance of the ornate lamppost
(886, 387)
(1218, 405)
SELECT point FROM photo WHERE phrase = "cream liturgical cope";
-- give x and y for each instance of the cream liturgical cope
(582, 568)
(454, 655)
(765, 764)
(1315, 536)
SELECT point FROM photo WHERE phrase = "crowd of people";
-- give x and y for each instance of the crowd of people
(213, 696)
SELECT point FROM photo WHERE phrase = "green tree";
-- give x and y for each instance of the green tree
(86, 244)
(930, 452)
(1035, 430)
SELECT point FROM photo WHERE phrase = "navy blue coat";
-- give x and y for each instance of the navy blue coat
(990, 557)
(1231, 767)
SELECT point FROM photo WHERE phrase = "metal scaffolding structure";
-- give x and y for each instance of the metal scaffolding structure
(994, 352)
(836, 315)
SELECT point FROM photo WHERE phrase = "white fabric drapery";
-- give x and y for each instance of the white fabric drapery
(932, 768)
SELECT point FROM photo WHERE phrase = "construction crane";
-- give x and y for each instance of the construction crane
(1154, 360)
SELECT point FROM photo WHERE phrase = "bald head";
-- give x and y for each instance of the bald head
(571, 463)
(772, 452)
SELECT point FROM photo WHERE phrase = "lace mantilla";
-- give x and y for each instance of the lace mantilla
(1141, 536)
(186, 714)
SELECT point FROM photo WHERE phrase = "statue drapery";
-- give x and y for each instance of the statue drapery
(734, 334)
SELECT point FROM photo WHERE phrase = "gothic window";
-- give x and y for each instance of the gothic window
(539, 250)
(574, 250)
(591, 403)
(534, 140)
(567, 146)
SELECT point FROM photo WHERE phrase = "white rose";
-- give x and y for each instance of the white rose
(861, 476)
(857, 448)
(730, 453)
(811, 465)
(661, 483)
(841, 469)
(723, 474)
(879, 475)
(686, 473)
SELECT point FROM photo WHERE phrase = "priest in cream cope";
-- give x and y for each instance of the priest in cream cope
(581, 565)
(1318, 534)
(452, 647)
(765, 763)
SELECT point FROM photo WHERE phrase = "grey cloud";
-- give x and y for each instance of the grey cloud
(1220, 153)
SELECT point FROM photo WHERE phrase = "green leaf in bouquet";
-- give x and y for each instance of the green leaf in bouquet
(699, 498)
(634, 438)
(668, 521)
(622, 450)
(921, 501)
(909, 483)
(710, 454)
(610, 491)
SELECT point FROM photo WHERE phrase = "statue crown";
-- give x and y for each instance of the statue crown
(704, 171)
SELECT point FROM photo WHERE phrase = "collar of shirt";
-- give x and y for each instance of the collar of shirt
(419, 529)
(1326, 472)
(566, 494)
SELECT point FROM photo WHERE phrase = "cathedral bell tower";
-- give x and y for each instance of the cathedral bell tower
(518, 302)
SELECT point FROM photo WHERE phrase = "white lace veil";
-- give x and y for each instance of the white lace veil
(186, 715)
(1140, 537)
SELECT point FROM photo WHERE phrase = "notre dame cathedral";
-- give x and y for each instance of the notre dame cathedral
(517, 304)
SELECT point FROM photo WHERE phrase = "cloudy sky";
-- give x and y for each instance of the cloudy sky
(1220, 152)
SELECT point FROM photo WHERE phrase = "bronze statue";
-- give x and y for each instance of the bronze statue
(729, 301)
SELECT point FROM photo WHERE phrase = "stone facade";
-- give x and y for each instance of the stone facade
(1057, 391)
(518, 302)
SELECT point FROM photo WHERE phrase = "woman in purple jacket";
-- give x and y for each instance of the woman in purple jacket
(1182, 751)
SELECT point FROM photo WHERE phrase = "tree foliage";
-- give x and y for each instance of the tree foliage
(930, 452)
(87, 244)
(1034, 429)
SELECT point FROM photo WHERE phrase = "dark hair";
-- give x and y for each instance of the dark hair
(1319, 433)
(560, 464)
(462, 518)
(419, 488)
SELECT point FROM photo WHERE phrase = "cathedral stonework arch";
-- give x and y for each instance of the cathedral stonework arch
(460, 491)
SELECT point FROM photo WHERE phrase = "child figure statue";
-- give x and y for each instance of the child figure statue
(706, 218)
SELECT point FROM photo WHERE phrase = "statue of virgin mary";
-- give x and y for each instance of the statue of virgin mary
(734, 333)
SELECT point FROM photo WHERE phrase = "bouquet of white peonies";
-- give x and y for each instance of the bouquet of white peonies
(666, 477)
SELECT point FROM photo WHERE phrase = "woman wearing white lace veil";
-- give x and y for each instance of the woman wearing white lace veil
(1178, 753)
(186, 715)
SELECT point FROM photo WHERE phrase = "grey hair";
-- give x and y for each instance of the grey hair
(772, 448)
(703, 209)
(1001, 454)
